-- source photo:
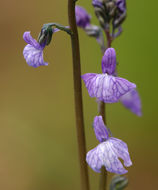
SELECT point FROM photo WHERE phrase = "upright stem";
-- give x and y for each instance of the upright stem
(102, 112)
(78, 96)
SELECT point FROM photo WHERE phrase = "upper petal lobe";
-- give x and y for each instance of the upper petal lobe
(100, 129)
(109, 61)
(30, 40)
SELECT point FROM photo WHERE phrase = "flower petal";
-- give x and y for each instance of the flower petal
(33, 56)
(100, 129)
(121, 150)
(28, 39)
(131, 101)
(107, 154)
(82, 17)
(105, 87)
(109, 61)
(94, 160)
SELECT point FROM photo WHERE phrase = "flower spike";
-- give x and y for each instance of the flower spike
(108, 152)
(107, 11)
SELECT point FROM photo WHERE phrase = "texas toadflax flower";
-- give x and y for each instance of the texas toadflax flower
(33, 51)
(108, 152)
(106, 87)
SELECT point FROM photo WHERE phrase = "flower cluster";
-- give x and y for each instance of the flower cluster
(108, 88)
(108, 152)
(110, 10)
(130, 99)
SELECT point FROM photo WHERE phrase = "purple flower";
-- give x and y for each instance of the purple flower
(106, 87)
(108, 152)
(82, 17)
(131, 101)
(33, 51)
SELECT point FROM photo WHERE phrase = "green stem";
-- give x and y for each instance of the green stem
(102, 112)
(59, 26)
(78, 96)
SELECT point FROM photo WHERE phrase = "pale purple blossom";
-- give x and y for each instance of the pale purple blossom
(82, 17)
(131, 101)
(108, 152)
(106, 87)
(33, 51)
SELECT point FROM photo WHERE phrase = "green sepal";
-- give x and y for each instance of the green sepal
(45, 35)
(118, 182)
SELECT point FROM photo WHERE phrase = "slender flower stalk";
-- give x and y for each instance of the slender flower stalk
(78, 96)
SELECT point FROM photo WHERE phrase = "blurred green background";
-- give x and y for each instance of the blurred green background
(38, 149)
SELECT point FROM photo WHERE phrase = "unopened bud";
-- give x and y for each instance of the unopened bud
(82, 17)
(110, 10)
(96, 32)
(93, 30)
(45, 35)
(101, 13)
(118, 182)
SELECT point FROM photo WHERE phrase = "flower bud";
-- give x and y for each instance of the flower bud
(45, 35)
(120, 14)
(118, 182)
(82, 17)
(104, 11)
(110, 10)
